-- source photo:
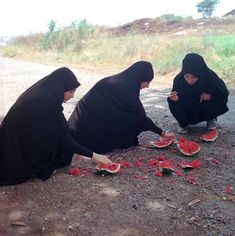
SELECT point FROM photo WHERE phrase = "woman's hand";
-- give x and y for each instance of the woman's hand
(167, 134)
(174, 96)
(205, 97)
(98, 158)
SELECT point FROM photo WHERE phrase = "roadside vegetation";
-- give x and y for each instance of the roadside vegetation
(91, 47)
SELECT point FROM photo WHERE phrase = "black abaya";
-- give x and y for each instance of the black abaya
(188, 109)
(34, 135)
(111, 114)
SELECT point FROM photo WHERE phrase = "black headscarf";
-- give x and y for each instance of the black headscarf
(208, 80)
(132, 77)
(194, 64)
(33, 131)
(52, 86)
(111, 114)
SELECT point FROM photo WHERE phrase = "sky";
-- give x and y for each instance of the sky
(22, 17)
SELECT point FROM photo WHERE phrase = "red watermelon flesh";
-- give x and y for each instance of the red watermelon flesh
(108, 168)
(210, 136)
(165, 167)
(163, 142)
(188, 147)
(191, 165)
(186, 165)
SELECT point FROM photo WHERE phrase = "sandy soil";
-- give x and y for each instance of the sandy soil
(135, 201)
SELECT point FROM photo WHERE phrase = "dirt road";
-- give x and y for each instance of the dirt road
(134, 202)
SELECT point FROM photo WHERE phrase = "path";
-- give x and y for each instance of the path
(135, 202)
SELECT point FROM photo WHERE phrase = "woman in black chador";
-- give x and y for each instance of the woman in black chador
(198, 94)
(111, 114)
(34, 136)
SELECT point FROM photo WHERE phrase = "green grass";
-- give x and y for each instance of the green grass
(222, 51)
(96, 49)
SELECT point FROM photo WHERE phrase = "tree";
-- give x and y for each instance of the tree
(206, 7)
(52, 26)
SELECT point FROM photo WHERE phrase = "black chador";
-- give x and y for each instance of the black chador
(111, 114)
(34, 135)
(189, 109)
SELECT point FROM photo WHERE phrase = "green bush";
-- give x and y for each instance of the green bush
(9, 52)
(67, 37)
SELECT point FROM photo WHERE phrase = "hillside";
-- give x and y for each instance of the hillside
(186, 26)
(162, 42)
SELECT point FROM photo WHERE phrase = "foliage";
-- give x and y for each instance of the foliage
(206, 7)
(52, 26)
(62, 39)
(222, 51)
(9, 52)
(170, 17)
(83, 27)
(81, 44)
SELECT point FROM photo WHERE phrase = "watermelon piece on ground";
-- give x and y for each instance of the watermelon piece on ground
(186, 165)
(165, 167)
(187, 147)
(191, 164)
(163, 142)
(105, 169)
(210, 136)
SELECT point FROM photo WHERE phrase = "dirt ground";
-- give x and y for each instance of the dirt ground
(136, 201)
(186, 26)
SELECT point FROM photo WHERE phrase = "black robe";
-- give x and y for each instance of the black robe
(111, 114)
(34, 135)
(188, 109)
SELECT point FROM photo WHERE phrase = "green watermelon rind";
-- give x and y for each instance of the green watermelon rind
(166, 170)
(103, 172)
(166, 167)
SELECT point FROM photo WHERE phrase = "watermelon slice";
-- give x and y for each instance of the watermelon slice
(191, 164)
(105, 169)
(163, 142)
(186, 165)
(165, 167)
(187, 147)
(210, 136)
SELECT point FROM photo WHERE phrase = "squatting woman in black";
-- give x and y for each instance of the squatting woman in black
(198, 94)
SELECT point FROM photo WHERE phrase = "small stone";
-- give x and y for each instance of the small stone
(134, 207)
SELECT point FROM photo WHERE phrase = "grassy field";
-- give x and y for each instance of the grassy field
(84, 46)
